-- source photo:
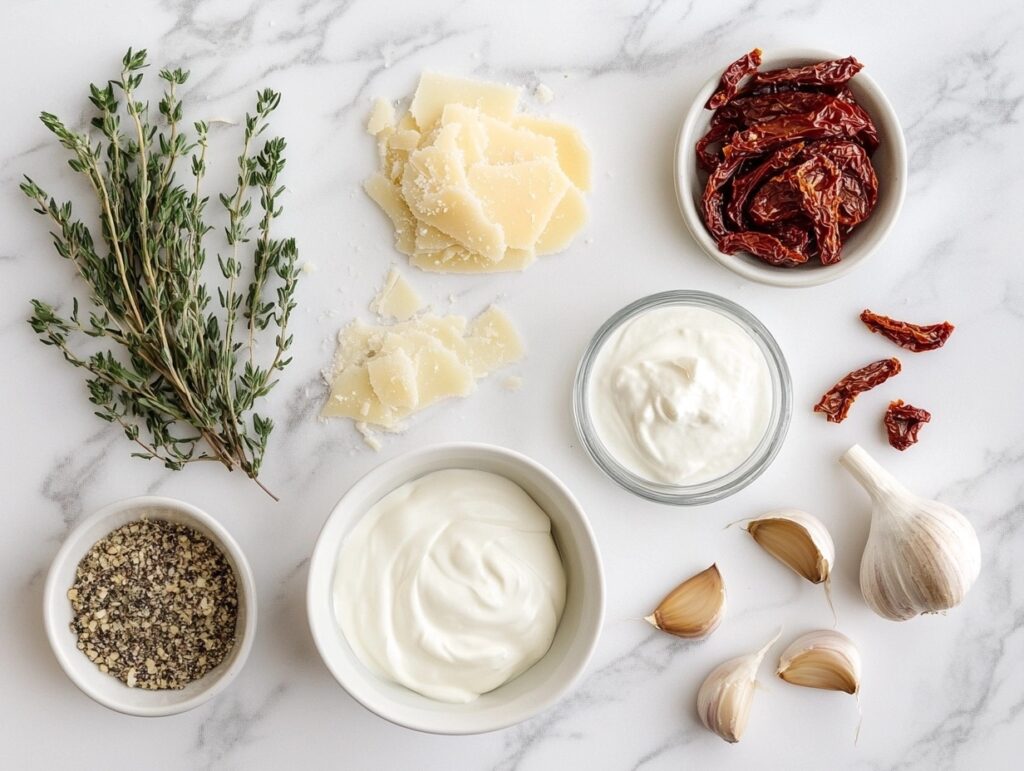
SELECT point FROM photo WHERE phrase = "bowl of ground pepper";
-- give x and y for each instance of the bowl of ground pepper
(150, 607)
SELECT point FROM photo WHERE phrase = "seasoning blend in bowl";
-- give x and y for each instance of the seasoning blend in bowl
(150, 606)
(683, 397)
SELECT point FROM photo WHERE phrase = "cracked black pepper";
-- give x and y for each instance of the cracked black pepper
(155, 604)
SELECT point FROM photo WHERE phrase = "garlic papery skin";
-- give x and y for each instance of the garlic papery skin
(695, 608)
(796, 539)
(921, 556)
(824, 659)
(725, 696)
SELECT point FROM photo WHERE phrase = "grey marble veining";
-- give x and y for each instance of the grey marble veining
(939, 693)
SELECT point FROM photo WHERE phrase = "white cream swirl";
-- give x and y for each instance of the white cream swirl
(450, 585)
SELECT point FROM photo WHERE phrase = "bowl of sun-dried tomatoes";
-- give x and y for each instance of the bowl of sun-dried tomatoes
(791, 169)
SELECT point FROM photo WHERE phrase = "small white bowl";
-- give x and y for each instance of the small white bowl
(889, 160)
(57, 613)
(519, 699)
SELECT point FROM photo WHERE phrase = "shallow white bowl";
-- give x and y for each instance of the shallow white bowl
(533, 691)
(890, 162)
(57, 614)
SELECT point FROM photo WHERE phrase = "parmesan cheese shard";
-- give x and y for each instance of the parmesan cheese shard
(388, 197)
(382, 374)
(573, 155)
(519, 197)
(382, 116)
(397, 299)
(436, 90)
(568, 218)
(493, 342)
(473, 186)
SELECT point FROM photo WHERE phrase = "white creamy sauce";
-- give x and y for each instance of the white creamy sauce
(450, 585)
(680, 395)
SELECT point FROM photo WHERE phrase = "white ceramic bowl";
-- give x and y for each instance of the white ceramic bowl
(519, 699)
(57, 613)
(890, 162)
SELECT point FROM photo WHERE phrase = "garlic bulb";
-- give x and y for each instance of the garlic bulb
(822, 659)
(693, 609)
(725, 696)
(921, 556)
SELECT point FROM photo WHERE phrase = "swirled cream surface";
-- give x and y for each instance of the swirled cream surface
(450, 585)
(680, 394)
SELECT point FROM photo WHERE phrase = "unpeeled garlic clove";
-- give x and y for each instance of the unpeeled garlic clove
(725, 696)
(693, 609)
(800, 542)
(824, 659)
(796, 539)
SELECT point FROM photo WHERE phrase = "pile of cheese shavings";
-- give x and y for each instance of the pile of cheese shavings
(471, 184)
(382, 374)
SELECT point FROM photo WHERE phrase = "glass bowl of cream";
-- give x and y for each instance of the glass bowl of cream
(456, 589)
(683, 397)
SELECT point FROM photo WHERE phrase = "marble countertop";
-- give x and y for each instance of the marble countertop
(939, 692)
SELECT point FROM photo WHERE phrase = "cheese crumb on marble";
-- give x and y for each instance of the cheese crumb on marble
(471, 184)
(543, 93)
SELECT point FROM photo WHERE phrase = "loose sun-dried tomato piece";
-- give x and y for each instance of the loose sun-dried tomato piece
(836, 402)
(734, 73)
(762, 245)
(902, 422)
(832, 73)
(913, 337)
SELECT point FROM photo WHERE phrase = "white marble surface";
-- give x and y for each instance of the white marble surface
(940, 692)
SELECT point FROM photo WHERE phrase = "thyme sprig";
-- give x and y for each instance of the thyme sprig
(182, 376)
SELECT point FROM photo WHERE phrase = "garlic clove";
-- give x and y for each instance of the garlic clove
(921, 556)
(725, 696)
(824, 659)
(800, 541)
(695, 608)
(796, 539)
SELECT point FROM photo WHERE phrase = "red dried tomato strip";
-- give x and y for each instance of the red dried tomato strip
(835, 119)
(764, 246)
(707, 159)
(776, 201)
(744, 111)
(734, 73)
(902, 422)
(744, 185)
(836, 402)
(818, 181)
(913, 337)
(859, 185)
(712, 200)
(831, 73)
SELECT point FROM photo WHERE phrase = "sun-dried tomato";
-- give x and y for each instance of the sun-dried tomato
(769, 248)
(836, 402)
(913, 337)
(742, 186)
(831, 73)
(902, 422)
(788, 156)
(734, 73)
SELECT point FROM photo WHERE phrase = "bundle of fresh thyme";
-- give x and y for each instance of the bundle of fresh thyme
(182, 377)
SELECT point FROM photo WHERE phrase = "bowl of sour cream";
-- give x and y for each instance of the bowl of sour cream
(683, 397)
(456, 589)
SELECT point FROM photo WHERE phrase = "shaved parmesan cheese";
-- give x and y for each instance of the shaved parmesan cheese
(471, 185)
(382, 116)
(396, 299)
(436, 90)
(383, 374)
